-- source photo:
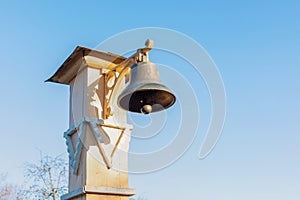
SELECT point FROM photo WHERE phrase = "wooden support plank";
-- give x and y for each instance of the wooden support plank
(98, 139)
(79, 146)
(117, 143)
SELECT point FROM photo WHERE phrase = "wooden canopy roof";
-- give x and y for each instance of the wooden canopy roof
(69, 69)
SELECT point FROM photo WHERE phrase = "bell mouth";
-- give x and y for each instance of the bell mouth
(158, 99)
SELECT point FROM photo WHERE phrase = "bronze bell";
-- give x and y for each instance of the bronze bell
(145, 93)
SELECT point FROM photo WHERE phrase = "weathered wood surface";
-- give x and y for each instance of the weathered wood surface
(86, 101)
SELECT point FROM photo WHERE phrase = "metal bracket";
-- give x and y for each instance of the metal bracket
(113, 77)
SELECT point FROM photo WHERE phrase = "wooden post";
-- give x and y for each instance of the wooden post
(98, 148)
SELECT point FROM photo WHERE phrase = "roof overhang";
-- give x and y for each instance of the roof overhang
(93, 58)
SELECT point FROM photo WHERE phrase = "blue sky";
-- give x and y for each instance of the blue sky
(255, 45)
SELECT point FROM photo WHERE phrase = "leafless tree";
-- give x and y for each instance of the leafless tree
(7, 191)
(46, 179)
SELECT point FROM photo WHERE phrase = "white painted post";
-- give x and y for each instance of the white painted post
(92, 140)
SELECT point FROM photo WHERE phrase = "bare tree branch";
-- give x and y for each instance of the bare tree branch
(46, 179)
